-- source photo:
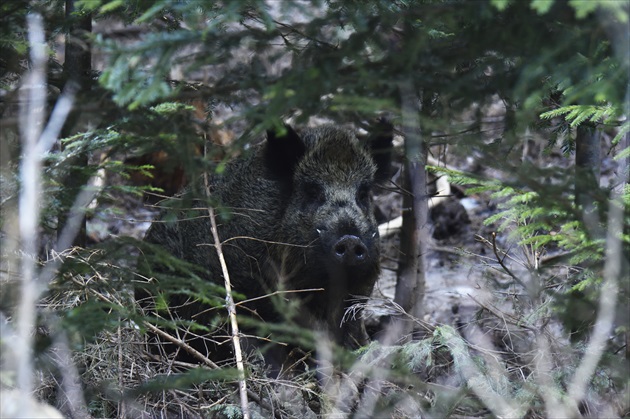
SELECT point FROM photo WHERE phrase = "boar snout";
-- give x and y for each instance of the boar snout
(349, 250)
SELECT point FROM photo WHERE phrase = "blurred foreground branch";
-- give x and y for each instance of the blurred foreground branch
(613, 267)
(32, 115)
(37, 139)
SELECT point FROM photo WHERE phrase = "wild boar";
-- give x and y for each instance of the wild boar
(300, 217)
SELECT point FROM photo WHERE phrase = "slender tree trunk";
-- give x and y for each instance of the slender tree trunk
(78, 60)
(77, 71)
(415, 229)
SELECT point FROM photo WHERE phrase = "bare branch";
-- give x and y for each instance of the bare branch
(31, 122)
(181, 344)
(500, 261)
(58, 117)
(238, 354)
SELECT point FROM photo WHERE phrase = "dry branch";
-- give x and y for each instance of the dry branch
(236, 340)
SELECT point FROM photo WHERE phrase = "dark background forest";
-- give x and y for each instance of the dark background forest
(505, 227)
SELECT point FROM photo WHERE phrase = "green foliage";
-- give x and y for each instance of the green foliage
(542, 6)
(87, 320)
(623, 130)
(616, 8)
(13, 36)
(229, 411)
(582, 8)
(538, 219)
(578, 114)
(13, 44)
(419, 354)
(117, 150)
(501, 5)
(324, 61)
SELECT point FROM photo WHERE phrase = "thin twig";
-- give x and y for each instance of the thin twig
(236, 341)
(505, 254)
(181, 344)
(507, 318)
(122, 411)
(500, 261)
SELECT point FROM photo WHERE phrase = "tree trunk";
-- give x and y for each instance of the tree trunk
(77, 71)
(415, 229)
(78, 60)
(587, 174)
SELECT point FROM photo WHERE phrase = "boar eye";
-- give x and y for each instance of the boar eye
(363, 196)
(314, 193)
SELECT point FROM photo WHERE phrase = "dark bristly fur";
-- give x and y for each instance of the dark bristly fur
(295, 200)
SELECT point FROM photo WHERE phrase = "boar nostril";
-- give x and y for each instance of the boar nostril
(350, 250)
(359, 251)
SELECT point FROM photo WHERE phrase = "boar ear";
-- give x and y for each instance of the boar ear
(283, 151)
(380, 143)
